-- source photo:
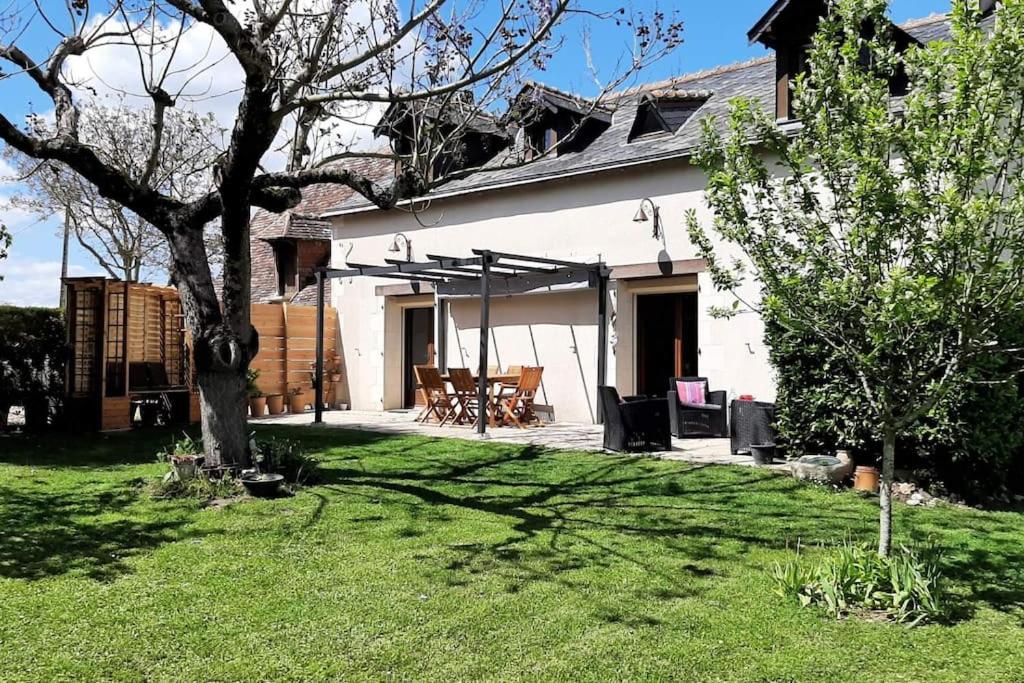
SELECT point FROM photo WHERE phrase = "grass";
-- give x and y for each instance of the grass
(422, 559)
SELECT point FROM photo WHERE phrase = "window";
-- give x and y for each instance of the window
(286, 260)
(664, 114)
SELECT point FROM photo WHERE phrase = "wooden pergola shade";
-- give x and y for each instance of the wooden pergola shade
(124, 339)
(484, 274)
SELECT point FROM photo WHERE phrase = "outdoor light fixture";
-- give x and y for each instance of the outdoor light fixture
(394, 248)
(649, 212)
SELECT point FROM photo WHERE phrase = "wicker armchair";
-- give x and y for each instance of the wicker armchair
(635, 424)
(707, 419)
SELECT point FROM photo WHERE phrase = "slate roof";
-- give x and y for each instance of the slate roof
(612, 149)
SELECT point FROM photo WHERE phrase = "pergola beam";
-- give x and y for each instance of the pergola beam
(499, 255)
(458, 276)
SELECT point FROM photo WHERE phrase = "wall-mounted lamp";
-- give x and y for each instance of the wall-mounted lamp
(394, 248)
(649, 211)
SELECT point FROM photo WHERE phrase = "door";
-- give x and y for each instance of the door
(418, 348)
(666, 340)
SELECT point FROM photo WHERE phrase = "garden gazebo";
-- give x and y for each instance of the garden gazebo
(485, 274)
(127, 347)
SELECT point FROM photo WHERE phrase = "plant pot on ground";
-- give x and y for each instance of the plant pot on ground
(257, 401)
(866, 479)
(262, 485)
(763, 453)
(297, 401)
(258, 405)
(275, 404)
(185, 466)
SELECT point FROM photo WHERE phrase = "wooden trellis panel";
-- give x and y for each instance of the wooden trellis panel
(288, 345)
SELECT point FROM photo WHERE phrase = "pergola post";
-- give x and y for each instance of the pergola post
(485, 332)
(318, 408)
(602, 335)
(441, 333)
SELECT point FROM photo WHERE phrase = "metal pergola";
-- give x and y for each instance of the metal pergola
(485, 274)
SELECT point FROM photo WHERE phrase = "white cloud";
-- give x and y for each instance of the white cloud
(32, 283)
(204, 77)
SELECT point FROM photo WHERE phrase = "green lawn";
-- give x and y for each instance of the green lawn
(442, 560)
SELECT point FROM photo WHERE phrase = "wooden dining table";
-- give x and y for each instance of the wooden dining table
(493, 382)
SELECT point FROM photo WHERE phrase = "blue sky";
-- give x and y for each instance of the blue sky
(714, 34)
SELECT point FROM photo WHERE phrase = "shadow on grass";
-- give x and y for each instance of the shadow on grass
(115, 449)
(91, 531)
(669, 520)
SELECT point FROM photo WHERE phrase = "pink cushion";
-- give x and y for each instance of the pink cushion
(690, 392)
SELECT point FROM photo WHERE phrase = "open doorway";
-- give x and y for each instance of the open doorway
(418, 326)
(666, 340)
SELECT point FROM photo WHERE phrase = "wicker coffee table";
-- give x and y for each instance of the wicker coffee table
(750, 422)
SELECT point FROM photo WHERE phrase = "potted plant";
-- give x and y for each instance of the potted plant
(275, 404)
(257, 401)
(296, 400)
(865, 478)
(336, 369)
(185, 466)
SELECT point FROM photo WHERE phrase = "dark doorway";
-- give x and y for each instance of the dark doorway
(666, 340)
(419, 348)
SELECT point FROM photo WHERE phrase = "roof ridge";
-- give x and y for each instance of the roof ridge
(697, 75)
(932, 18)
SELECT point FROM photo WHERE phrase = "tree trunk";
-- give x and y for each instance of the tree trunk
(885, 491)
(221, 351)
(222, 401)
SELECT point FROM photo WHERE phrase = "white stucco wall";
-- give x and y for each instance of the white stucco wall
(582, 219)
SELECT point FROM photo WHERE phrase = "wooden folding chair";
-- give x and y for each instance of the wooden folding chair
(517, 407)
(464, 390)
(438, 402)
(506, 389)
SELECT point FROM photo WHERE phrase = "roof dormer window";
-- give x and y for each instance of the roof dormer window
(444, 134)
(665, 112)
(557, 123)
(788, 28)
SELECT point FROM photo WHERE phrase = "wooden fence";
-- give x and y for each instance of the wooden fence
(288, 346)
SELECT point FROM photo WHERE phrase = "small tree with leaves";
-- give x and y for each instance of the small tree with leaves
(892, 229)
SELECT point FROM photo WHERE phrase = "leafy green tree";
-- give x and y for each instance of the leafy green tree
(889, 229)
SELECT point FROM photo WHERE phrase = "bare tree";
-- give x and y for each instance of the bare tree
(5, 244)
(123, 243)
(308, 70)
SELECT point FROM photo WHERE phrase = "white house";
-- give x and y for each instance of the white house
(580, 204)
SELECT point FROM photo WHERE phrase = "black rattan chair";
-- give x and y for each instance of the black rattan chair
(635, 424)
(707, 419)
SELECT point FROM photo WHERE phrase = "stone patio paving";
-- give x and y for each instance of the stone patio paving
(563, 435)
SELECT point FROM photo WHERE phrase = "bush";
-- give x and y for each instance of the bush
(287, 458)
(972, 444)
(906, 586)
(32, 358)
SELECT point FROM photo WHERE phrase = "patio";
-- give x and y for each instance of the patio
(561, 435)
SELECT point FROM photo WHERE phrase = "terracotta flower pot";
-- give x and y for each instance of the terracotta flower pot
(275, 404)
(297, 403)
(866, 479)
(257, 405)
(336, 377)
